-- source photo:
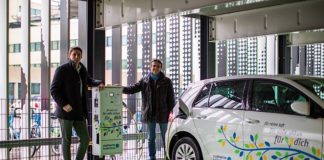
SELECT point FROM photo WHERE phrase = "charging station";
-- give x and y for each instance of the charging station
(107, 138)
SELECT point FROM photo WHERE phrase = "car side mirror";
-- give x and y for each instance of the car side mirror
(183, 107)
(302, 108)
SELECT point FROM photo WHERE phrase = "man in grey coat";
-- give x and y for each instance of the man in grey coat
(157, 101)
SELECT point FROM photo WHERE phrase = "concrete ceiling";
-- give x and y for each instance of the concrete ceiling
(117, 12)
(237, 6)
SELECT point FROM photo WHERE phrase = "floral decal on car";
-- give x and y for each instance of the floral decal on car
(262, 150)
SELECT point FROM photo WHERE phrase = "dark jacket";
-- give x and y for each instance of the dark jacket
(164, 97)
(65, 89)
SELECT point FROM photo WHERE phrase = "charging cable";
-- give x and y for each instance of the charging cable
(136, 126)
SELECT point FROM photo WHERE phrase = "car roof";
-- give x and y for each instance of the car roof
(280, 77)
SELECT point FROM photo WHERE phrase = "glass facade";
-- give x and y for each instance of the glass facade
(172, 38)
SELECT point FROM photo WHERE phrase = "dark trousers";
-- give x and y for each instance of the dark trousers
(81, 129)
(152, 135)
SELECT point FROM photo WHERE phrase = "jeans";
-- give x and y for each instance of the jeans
(81, 129)
(151, 136)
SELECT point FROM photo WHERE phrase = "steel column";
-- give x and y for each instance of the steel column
(207, 52)
(65, 30)
(161, 40)
(147, 46)
(233, 57)
(4, 75)
(174, 53)
(25, 73)
(116, 54)
(302, 60)
(45, 72)
(221, 58)
(85, 32)
(262, 55)
(187, 52)
(317, 59)
(309, 59)
(284, 55)
(196, 48)
(131, 67)
(294, 60)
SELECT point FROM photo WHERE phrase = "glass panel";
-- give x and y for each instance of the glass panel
(227, 95)
(74, 24)
(35, 88)
(274, 98)
(139, 50)
(36, 72)
(55, 61)
(14, 73)
(11, 92)
(246, 56)
(202, 98)
(315, 85)
(124, 56)
(108, 60)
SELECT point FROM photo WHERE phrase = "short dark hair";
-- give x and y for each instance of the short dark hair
(158, 61)
(75, 49)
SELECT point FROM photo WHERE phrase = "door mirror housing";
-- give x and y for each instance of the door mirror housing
(302, 108)
(183, 108)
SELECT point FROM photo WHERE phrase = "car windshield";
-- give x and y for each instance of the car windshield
(315, 85)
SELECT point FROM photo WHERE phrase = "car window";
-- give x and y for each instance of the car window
(227, 95)
(315, 85)
(274, 98)
(202, 98)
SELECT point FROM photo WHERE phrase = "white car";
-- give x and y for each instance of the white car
(249, 118)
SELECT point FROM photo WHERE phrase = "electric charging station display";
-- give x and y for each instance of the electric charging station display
(107, 138)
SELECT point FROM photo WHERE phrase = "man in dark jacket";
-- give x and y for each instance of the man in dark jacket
(157, 101)
(68, 89)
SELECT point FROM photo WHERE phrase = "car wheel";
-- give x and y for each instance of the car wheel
(186, 149)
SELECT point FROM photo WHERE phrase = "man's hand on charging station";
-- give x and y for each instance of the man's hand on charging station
(101, 86)
(170, 117)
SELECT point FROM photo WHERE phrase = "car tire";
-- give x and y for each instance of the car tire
(186, 148)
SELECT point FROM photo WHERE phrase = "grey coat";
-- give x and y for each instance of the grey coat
(165, 99)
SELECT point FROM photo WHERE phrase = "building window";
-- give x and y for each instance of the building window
(11, 91)
(15, 65)
(73, 42)
(19, 90)
(32, 47)
(37, 46)
(16, 48)
(108, 64)
(54, 65)
(11, 48)
(35, 65)
(35, 12)
(35, 88)
(108, 42)
(55, 45)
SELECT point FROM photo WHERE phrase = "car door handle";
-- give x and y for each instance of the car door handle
(252, 121)
(201, 117)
